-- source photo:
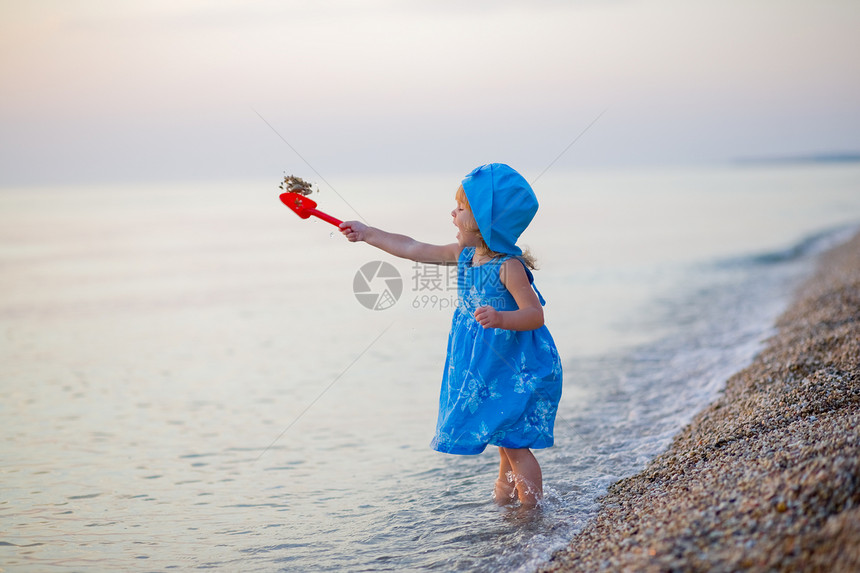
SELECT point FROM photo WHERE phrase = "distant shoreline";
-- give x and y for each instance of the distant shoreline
(766, 478)
(821, 158)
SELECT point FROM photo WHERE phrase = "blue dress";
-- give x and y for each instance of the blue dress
(499, 387)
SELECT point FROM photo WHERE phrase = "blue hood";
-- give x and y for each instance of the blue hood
(503, 203)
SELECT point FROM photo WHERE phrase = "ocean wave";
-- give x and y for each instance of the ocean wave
(808, 246)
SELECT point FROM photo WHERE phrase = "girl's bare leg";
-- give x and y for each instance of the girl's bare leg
(505, 491)
(528, 479)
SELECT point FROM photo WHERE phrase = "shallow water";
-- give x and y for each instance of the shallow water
(187, 380)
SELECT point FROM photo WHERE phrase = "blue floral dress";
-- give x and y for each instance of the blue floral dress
(500, 387)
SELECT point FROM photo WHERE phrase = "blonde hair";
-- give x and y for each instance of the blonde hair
(482, 247)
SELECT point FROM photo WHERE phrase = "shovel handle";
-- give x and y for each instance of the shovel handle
(325, 217)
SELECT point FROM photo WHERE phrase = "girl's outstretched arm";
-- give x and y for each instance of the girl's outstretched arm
(400, 245)
(529, 313)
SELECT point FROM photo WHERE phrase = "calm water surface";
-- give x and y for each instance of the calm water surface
(186, 379)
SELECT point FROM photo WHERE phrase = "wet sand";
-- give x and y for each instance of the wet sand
(767, 478)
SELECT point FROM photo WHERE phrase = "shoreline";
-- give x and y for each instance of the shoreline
(767, 477)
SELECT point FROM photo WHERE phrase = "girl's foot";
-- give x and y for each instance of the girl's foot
(525, 474)
(504, 493)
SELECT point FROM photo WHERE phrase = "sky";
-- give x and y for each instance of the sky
(104, 91)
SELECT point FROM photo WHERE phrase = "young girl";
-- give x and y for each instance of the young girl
(502, 378)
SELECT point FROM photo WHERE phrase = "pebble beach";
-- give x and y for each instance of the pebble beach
(766, 478)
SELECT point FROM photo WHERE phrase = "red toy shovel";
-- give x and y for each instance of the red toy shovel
(305, 207)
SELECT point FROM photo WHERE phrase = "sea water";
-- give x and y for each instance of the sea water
(187, 379)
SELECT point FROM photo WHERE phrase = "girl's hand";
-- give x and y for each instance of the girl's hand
(488, 317)
(354, 231)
